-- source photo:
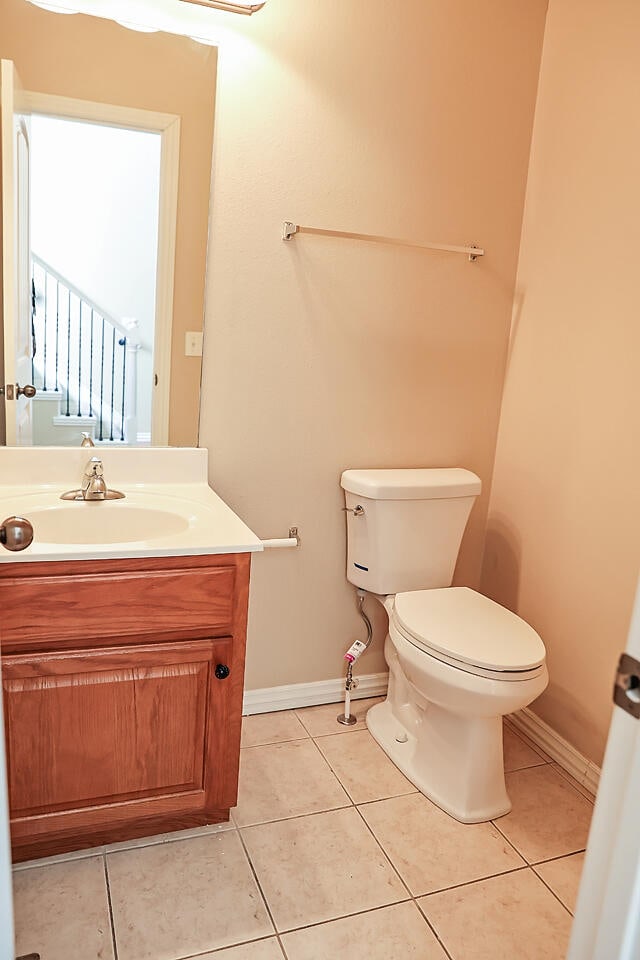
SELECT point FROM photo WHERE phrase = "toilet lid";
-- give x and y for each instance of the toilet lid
(467, 626)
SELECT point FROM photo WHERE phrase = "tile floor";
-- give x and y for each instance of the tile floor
(331, 852)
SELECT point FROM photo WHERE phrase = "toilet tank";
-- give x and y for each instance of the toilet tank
(407, 534)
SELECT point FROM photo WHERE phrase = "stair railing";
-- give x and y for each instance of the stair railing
(84, 354)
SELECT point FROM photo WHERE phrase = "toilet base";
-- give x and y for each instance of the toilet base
(455, 761)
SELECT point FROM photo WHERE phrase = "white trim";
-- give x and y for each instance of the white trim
(108, 114)
(165, 272)
(168, 126)
(291, 695)
(584, 771)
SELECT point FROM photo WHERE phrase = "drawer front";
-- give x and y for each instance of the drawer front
(146, 604)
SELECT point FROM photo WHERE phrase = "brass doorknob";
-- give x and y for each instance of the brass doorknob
(16, 533)
(28, 391)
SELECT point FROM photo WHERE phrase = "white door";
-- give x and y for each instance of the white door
(607, 921)
(16, 272)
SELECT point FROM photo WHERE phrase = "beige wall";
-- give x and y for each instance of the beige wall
(92, 59)
(564, 522)
(411, 120)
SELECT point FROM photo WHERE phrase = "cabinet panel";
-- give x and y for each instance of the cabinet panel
(116, 725)
(196, 602)
(130, 725)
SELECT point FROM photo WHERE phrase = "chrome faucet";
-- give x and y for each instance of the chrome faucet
(94, 486)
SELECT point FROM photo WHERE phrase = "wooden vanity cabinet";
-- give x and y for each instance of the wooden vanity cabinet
(122, 684)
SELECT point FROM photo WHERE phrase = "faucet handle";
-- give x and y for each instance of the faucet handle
(93, 483)
(94, 467)
(87, 440)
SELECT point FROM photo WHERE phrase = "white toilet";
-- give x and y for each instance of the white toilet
(458, 662)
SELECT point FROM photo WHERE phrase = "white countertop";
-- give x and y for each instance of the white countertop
(166, 494)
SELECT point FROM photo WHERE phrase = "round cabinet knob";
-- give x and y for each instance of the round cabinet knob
(27, 391)
(16, 533)
(222, 671)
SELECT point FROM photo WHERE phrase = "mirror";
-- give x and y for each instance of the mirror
(64, 61)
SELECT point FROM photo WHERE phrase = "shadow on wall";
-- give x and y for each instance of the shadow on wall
(579, 724)
(500, 575)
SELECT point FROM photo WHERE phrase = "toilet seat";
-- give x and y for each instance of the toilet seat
(470, 632)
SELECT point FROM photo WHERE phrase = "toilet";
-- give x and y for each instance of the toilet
(458, 661)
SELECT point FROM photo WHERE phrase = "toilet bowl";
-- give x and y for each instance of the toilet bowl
(458, 661)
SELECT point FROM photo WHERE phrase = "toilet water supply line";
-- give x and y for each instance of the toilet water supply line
(355, 651)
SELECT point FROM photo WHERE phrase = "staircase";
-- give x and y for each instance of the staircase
(84, 365)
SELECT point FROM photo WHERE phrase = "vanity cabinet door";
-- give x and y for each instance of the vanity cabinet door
(101, 737)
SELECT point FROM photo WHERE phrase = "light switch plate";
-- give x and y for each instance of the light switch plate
(193, 343)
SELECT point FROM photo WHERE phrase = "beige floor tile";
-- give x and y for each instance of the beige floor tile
(259, 950)
(271, 728)
(504, 918)
(320, 867)
(580, 787)
(62, 911)
(549, 818)
(281, 780)
(363, 768)
(431, 850)
(563, 876)
(170, 837)
(321, 721)
(392, 933)
(517, 753)
(515, 728)
(177, 899)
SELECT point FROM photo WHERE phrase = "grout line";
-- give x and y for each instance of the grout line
(341, 733)
(283, 948)
(347, 916)
(111, 920)
(527, 766)
(551, 890)
(434, 931)
(258, 884)
(298, 816)
(562, 856)
(386, 855)
(275, 743)
(494, 823)
(229, 946)
(328, 763)
(469, 883)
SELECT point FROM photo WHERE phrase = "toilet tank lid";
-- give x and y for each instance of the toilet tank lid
(412, 484)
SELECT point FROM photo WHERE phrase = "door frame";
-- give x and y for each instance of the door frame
(168, 126)
(607, 917)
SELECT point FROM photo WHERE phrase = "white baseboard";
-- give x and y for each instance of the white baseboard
(584, 771)
(293, 695)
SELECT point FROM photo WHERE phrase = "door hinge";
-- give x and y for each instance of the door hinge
(626, 692)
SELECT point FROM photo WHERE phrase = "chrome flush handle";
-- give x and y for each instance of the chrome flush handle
(356, 511)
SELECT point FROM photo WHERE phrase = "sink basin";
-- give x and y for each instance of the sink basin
(168, 509)
(99, 522)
